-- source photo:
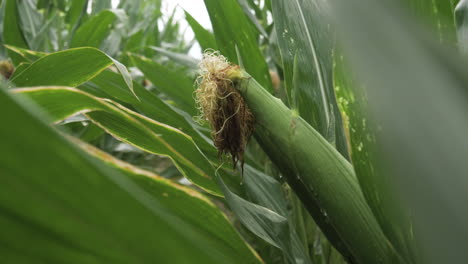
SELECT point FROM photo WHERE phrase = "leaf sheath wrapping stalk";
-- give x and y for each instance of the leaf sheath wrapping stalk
(321, 177)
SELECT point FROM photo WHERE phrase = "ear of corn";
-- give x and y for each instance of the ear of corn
(322, 178)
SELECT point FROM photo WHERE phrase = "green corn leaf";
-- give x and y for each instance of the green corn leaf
(26, 54)
(130, 127)
(265, 191)
(363, 131)
(72, 205)
(149, 104)
(232, 28)
(438, 15)
(253, 19)
(172, 83)
(94, 31)
(305, 40)
(99, 6)
(12, 32)
(180, 58)
(204, 37)
(266, 224)
(20, 68)
(69, 68)
(76, 12)
(419, 150)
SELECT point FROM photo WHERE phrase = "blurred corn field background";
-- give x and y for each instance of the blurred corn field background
(358, 153)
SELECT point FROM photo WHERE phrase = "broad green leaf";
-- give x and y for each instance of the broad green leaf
(130, 127)
(12, 32)
(363, 130)
(68, 207)
(149, 104)
(306, 41)
(20, 68)
(69, 68)
(172, 83)
(186, 203)
(395, 222)
(419, 150)
(204, 37)
(94, 31)
(109, 85)
(232, 28)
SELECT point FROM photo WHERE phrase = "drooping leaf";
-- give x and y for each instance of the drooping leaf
(130, 127)
(149, 104)
(68, 207)
(69, 68)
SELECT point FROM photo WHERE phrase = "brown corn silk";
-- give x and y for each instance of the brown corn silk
(6, 69)
(221, 104)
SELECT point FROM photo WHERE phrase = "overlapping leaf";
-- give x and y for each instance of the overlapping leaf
(66, 206)
(12, 32)
(306, 43)
(94, 31)
(419, 150)
(233, 29)
(173, 83)
(205, 38)
(69, 68)
(130, 127)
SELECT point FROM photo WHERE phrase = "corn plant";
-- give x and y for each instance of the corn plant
(308, 131)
